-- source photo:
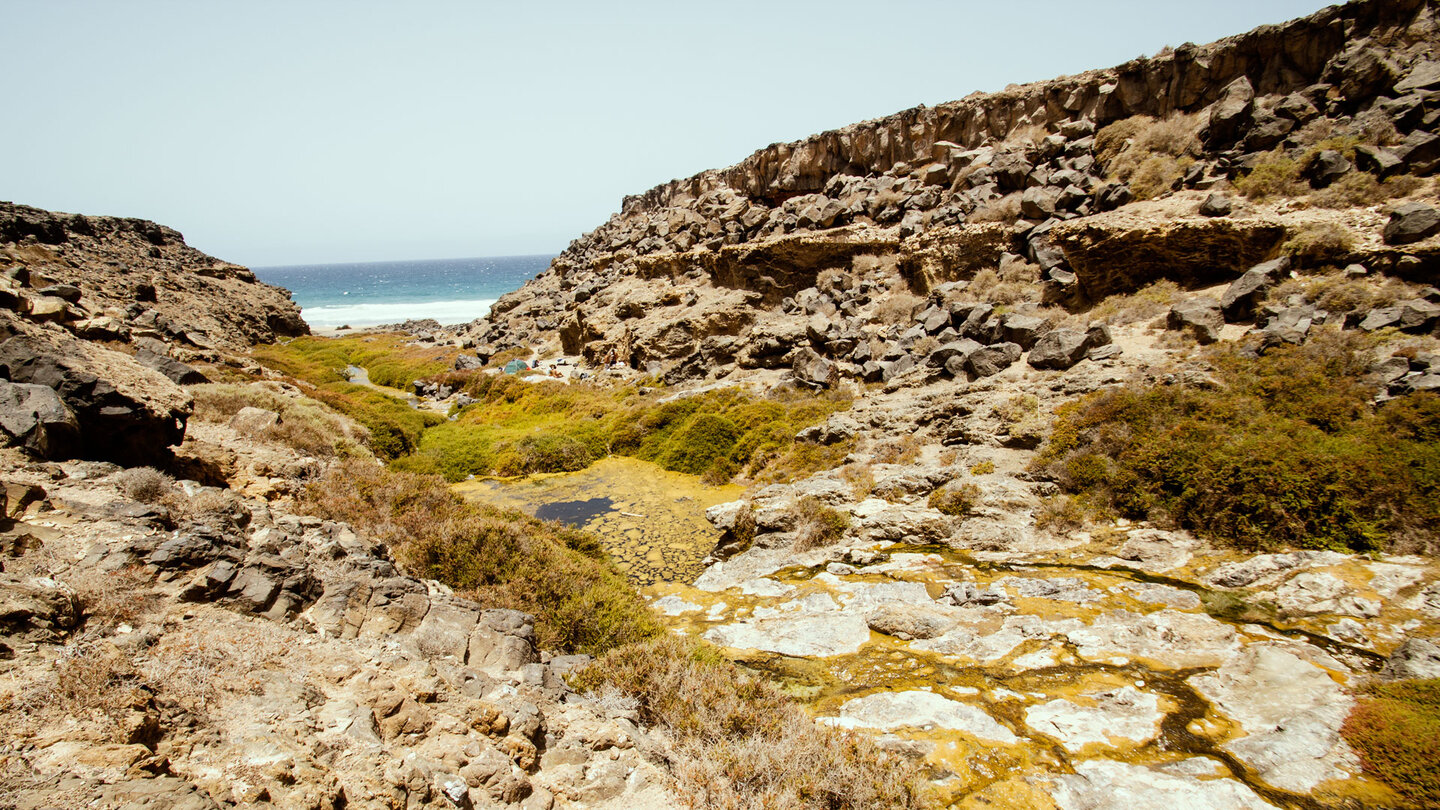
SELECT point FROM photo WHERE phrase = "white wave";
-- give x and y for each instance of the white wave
(328, 317)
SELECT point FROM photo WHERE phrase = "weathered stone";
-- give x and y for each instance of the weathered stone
(35, 418)
(991, 360)
(1244, 294)
(1411, 222)
(1059, 349)
(813, 370)
(36, 608)
(251, 421)
(1231, 114)
(1416, 658)
(1198, 317)
(924, 710)
(1216, 205)
(1126, 714)
(1291, 711)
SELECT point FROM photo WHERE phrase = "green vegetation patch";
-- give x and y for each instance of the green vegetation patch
(500, 559)
(743, 743)
(1284, 448)
(1395, 727)
(395, 427)
(519, 427)
(390, 359)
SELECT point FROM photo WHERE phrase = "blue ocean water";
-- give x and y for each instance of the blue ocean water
(371, 293)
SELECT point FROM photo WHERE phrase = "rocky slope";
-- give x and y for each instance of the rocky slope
(206, 643)
(127, 280)
(723, 269)
(963, 271)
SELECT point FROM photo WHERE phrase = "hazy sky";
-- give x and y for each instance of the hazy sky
(298, 132)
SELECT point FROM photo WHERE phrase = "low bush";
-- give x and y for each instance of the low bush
(982, 467)
(1395, 728)
(1148, 302)
(956, 499)
(145, 484)
(305, 424)
(98, 682)
(1318, 244)
(391, 360)
(1286, 449)
(520, 427)
(740, 743)
(816, 524)
(1148, 154)
(500, 559)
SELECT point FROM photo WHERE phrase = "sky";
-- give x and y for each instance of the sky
(312, 131)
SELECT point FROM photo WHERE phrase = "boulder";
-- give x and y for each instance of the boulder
(1231, 114)
(992, 360)
(1244, 294)
(1411, 222)
(126, 413)
(35, 418)
(1326, 167)
(1200, 317)
(1111, 196)
(813, 370)
(1021, 329)
(1039, 202)
(1059, 349)
(1216, 205)
(178, 372)
(1377, 160)
(1424, 75)
(1419, 153)
(250, 421)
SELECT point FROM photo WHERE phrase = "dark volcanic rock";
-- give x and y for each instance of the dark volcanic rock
(1411, 222)
(34, 417)
(130, 415)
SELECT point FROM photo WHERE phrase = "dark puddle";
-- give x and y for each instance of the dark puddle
(574, 513)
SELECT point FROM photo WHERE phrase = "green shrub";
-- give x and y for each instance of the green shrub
(1395, 728)
(498, 558)
(740, 743)
(1286, 450)
(982, 467)
(956, 499)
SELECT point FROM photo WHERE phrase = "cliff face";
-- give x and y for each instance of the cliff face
(1025, 181)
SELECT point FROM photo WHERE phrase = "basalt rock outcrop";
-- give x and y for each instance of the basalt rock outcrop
(725, 269)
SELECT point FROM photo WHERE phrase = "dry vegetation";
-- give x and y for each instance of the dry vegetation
(499, 559)
(816, 524)
(305, 425)
(740, 743)
(1148, 154)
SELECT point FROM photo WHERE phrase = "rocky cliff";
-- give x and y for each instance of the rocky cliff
(1080, 187)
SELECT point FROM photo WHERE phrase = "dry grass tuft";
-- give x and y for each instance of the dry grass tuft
(305, 424)
(144, 484)
(1005, 209)
(739, 743)
(1147, 154)
(816, 524)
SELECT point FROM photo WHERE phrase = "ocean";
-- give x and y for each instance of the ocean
(372, 293)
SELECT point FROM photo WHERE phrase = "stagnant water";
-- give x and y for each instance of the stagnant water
(652, 523)
(651, 520)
